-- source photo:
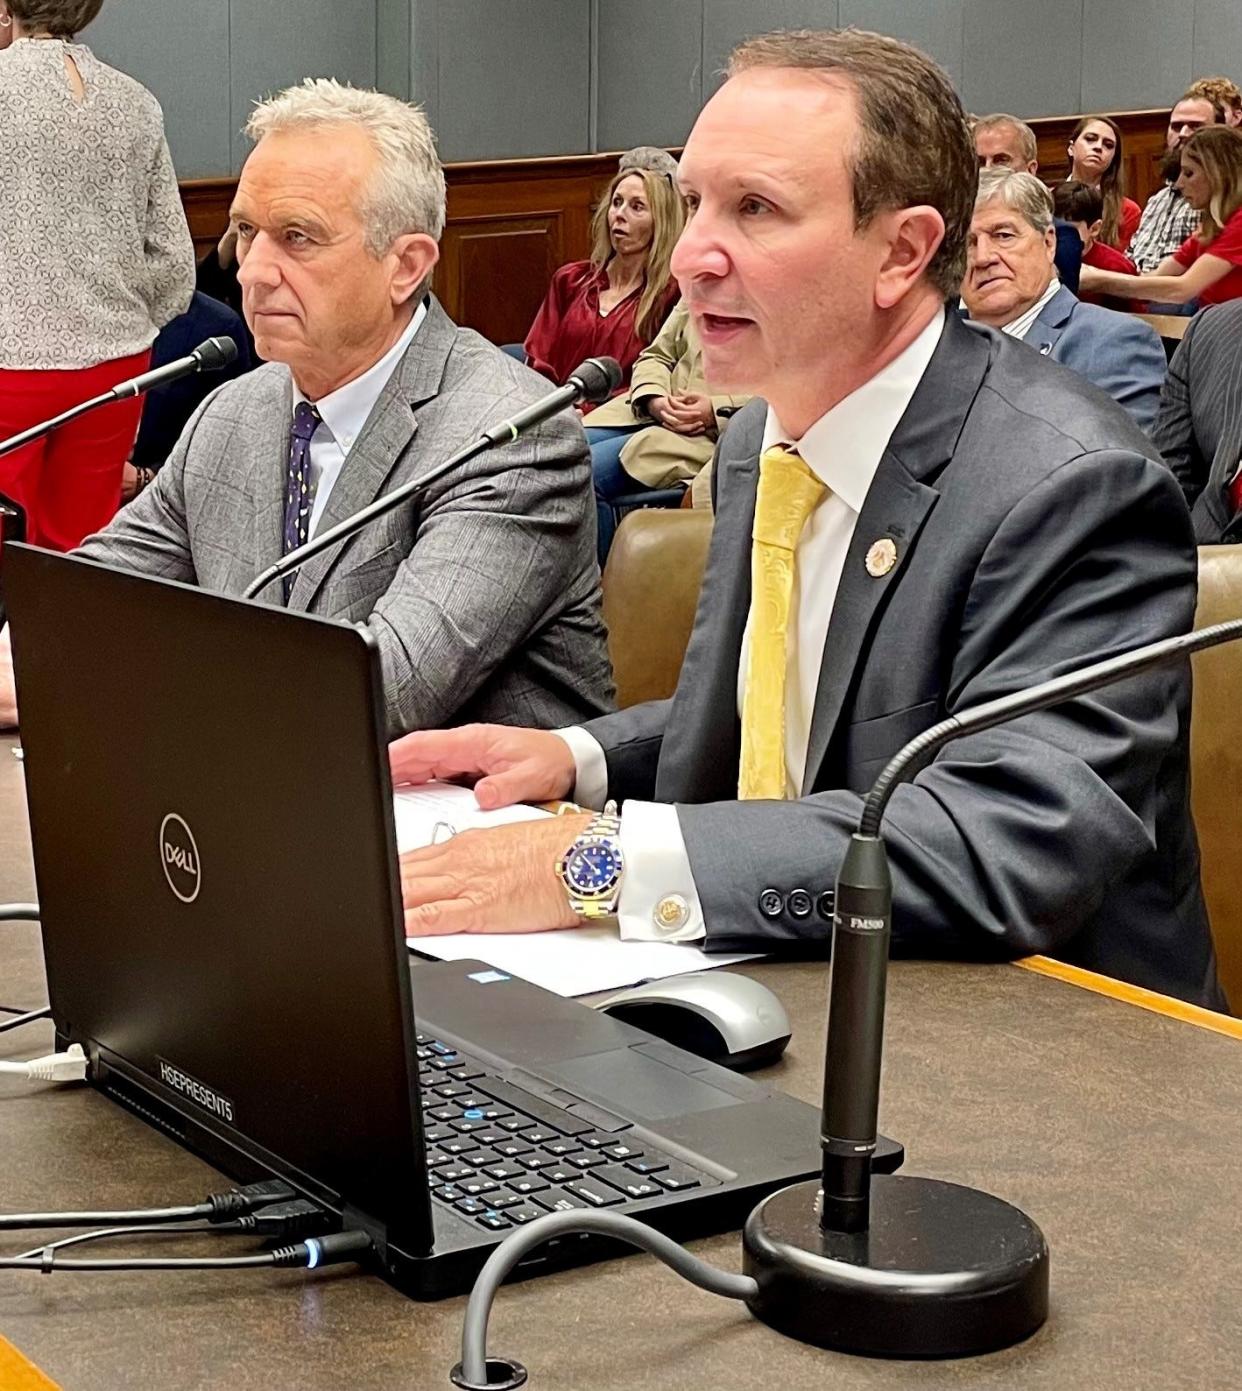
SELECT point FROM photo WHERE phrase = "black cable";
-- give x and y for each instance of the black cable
(29, 1018)
(13, 1009)
(103, 1233)
(472, 1371)
(216, 1207)
(309, 1255)
(19, 912)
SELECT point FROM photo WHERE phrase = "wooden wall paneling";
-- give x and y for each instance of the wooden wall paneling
(493, 271)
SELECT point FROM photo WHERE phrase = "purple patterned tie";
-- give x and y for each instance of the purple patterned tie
(299, 492)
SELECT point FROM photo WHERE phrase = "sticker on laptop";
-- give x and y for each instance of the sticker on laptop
(489, 977)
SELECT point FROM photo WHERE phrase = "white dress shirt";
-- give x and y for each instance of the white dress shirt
(844, 449)
(343, 413)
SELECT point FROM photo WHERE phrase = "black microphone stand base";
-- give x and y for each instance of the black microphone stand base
(943, 1271)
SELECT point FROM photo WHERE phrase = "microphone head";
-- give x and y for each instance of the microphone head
(215, 353)
(597, 378)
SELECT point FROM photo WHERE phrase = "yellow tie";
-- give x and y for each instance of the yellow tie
(788, 493)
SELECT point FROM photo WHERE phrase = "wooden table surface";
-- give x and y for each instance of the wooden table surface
(1118, 1129)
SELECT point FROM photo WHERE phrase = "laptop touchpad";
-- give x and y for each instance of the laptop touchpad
(640, 1086)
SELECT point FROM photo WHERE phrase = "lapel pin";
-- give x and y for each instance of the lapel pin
(881, 557)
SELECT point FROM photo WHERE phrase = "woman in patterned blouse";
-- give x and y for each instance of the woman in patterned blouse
(97, 258)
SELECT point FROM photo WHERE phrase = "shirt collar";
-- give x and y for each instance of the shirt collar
(1021, 326)
(345, 410)
(843, 448)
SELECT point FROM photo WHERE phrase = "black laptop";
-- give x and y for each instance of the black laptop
(211, 815)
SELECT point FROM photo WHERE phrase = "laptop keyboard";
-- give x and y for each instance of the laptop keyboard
(503, 1156)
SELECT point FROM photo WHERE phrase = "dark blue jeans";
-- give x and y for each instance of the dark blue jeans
(611, 481)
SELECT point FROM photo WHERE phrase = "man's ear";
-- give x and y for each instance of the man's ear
(914, 236)
(415, 255)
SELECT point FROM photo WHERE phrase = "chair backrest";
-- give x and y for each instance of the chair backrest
(651, 589)
(1216, 760)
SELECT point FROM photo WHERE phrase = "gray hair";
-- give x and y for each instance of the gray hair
(1024, 193)
(407, 192)
(1003, 120)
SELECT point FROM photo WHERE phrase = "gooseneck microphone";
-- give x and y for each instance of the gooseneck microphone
(595, 380)
(209, 356)
(893, 1266)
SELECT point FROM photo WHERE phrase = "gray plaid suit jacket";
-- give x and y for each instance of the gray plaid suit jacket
(483, 596)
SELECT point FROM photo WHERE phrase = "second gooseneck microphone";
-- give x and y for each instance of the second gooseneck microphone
(595, 380)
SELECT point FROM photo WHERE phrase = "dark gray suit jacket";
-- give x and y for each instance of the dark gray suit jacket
(1120, 354)
(1199, 428)
(484, 597)
(1035, 531)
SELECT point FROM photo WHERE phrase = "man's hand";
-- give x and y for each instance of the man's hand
(498, 880)
(512, 765)
(8, 687)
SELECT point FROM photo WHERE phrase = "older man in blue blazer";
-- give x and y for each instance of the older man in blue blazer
(1011, 284)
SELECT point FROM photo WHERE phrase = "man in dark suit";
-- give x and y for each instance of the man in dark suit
(924, 515)
(1199, 427)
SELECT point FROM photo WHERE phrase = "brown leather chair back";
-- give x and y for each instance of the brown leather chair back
(651, 589)
(1216, 761)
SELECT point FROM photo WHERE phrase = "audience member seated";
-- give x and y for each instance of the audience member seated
(1004, 142)
(1095, 158)
(1011, 285)
(1168, 219)
(96, 257)
(167, 409)
(1082, 207)
(1199, 427)
(1207, 266)
(1223, 93)
(484, 600)
(613, 304)
(664, 431)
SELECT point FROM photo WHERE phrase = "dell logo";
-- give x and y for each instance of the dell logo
(179, 858)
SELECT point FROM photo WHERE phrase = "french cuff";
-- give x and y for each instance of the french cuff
(659, 902)
(591, 775)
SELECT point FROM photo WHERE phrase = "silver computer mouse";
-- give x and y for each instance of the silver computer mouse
(727, 1018)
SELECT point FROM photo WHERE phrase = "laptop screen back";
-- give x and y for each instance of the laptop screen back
(211, 818)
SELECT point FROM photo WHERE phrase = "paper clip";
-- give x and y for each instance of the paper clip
(442, 831)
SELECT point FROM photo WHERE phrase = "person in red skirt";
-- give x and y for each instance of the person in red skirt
(97, 258)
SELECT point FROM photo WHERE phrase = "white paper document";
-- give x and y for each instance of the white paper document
(571, 961)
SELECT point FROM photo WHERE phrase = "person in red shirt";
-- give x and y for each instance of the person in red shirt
(1082, 206)
(1207, 266)
(614, 303)
(1095, 158)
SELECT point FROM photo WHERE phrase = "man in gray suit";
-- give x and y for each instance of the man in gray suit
(484, 597)
(1011, 284)
(1199, 428)
(965, 520)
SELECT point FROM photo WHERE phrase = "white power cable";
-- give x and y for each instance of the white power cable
(54, 1067)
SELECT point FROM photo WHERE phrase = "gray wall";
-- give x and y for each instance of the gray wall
(505, 78)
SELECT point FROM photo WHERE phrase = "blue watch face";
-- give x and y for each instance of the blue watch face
(593, 868)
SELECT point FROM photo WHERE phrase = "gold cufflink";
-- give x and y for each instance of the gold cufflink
(670, 912)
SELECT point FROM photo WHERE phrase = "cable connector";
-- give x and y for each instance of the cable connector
(286, 1220)
(324, 1250)
(54, 1067)
(237, 1202)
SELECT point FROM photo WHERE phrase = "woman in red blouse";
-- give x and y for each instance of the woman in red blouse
(613, 304)
(1207, 266)
(1095, 158)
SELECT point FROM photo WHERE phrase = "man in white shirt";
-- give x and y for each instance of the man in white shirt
(918, 515)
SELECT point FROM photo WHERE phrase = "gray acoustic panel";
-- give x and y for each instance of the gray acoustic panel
(727, 22)
(1218, 39)
(513, 78)
(1135, 59)
(393, 47)
(274, 46)
(649, 91)
(184, 60)
(935, 26)
(1023, 56)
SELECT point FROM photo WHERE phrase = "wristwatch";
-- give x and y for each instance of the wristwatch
(592, 868)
